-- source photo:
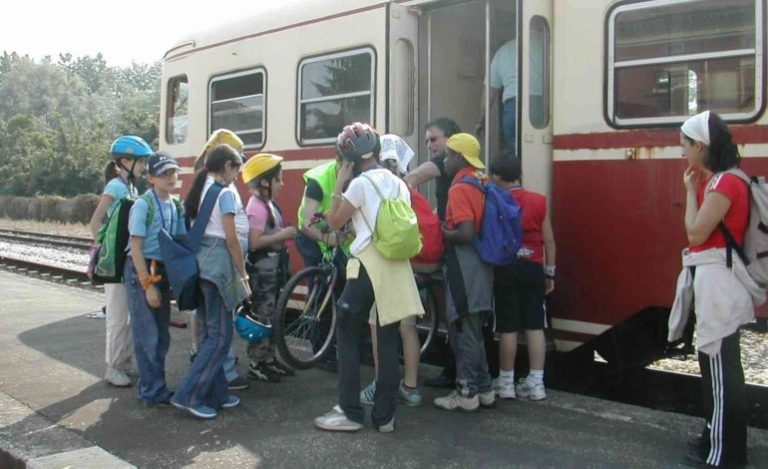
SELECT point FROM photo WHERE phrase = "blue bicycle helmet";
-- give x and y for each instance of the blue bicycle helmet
(250, 329)
(357, 142)
(130, 146)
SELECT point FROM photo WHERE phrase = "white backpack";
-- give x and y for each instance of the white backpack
(754, 252)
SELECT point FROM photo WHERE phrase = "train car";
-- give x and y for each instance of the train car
(603, 87)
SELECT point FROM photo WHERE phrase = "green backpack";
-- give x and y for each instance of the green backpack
(397, 233)
(113, 238)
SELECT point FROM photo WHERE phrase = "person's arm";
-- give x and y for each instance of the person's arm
(309, 208)
(549, 251)
(258, 240)
(425, 172)
(462, 234)
(140, 264)
(342, 209)
(97, 219)
(701, 222)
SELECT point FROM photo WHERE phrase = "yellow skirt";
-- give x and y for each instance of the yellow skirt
(394, 286)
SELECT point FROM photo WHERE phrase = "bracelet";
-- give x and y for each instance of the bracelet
(150, 280)
(549, 271)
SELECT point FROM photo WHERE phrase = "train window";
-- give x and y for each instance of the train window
(538, 109)
(177, 110)
(237, 104)
(335, 90)
(669, 59)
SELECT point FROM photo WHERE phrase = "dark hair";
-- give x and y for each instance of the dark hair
(507, 166)
(723, 154)
(111, 171)
(448, 126)
(215, 160)
(268, 176)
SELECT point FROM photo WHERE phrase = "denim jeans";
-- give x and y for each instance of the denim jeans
(466, 336)
(509, 124)
(230, 372)
(354, 307)
(151, 335)
(205, 382)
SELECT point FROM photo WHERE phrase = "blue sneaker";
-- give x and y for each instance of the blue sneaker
(411, 398)
(201, 411)
(232, 401)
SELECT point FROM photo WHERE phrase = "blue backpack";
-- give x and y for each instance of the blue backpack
(501, 234)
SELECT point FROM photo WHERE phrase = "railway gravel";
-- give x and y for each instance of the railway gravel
(67, 258)
(754, 359)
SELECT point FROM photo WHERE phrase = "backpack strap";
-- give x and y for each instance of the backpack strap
(473, 182)
(732, 245)
(201, 221)
(381, 196)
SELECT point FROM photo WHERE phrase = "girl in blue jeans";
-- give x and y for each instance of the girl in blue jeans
(223, 283)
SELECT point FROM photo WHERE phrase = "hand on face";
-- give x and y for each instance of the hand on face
(345, 173)
(691, 178)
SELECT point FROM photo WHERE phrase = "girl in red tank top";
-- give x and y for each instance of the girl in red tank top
(712, 196)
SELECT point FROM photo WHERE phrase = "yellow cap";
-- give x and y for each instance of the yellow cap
(468, 146)
(220, 137)
(258, 165)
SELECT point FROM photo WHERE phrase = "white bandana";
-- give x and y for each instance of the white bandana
(697, 128)
(395, 148)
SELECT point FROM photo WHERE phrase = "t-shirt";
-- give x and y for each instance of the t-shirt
(442, 185)
(137, 225)
(362, 195)
(313, 190)
(504, 69)
(534, 208)
(737, 217)
(258, 211)
(228, 202)
(117, 188)
(465, 201)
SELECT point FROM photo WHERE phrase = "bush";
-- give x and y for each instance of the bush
(49, 208)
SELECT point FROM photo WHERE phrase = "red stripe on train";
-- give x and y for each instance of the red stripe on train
(648, 138)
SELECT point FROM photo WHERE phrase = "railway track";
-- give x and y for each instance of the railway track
(45, 239)
(71, 277)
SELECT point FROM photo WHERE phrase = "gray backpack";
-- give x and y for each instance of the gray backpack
(754, 252)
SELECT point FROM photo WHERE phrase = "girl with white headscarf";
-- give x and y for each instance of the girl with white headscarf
(711, 285)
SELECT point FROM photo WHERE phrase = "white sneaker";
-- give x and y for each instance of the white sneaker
(337, 421)
(503, 388)
(117, 378)
(487, 399)
(526, 390)
(388, 427)
(454, 401)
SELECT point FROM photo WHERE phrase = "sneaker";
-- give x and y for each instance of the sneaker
(440, 381)
(366, 395)
(534, 392)
(487, 399)
(411, 398)
(388, 427)
(164, 402)
(337, 421)
(261, 372)
(238, 384)
(503, 388)
(131, 370)
(117, 378)
(202, 411)
(454, 401)
(280, 369)
(232, 401)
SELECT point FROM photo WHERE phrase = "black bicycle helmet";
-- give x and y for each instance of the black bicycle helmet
(357, 141)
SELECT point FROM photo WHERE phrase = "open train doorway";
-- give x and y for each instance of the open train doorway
(457, 44)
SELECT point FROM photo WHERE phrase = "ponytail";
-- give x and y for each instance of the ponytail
(723, 154)
(110, 171)
(215, 162)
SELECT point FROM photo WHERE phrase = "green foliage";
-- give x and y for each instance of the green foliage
(57, 120)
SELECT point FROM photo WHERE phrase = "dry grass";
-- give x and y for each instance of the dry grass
(67, 229)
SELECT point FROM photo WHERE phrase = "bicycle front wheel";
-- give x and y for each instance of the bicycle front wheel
(306, 317)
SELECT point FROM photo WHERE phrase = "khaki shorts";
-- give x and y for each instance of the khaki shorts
(372, 320)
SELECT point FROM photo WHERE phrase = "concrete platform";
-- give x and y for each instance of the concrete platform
(55, 411)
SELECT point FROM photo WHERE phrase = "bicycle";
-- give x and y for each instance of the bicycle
(306, 312)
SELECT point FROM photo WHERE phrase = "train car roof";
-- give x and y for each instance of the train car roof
(275, 17)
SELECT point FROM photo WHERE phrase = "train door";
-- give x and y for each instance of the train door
(402, 116)
(534, 114)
